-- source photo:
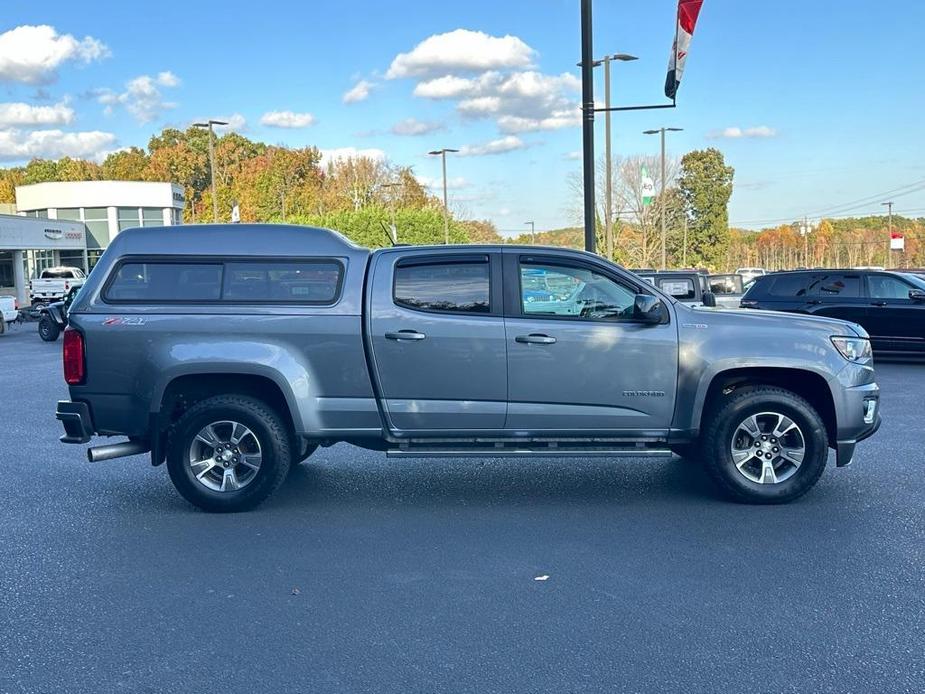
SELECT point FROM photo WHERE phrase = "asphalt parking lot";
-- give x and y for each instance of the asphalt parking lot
(365, 574)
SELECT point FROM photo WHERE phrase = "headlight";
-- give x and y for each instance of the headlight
(855, 349)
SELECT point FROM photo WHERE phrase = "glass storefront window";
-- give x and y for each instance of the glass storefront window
(97, 221)
(72, 213)
(152, 216)
(128, 217)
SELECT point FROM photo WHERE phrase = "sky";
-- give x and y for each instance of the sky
(818, 105)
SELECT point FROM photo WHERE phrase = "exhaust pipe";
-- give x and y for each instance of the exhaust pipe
(117, 450)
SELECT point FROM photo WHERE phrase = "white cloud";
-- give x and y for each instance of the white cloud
(287, 119)
(142, 96)
(233, 123)
(18, 145)
(461, 50)
(499, 146)
(452, 183)
(168, 79)
(19, 114)
(574, 155)
(341, 153)
(33, 54)
(414, 127)
(736, 133)
(358, 92)
(519, 102)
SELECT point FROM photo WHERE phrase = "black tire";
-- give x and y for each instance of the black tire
(48, 329)
(268, 429)
(723, 424)
(2, 325)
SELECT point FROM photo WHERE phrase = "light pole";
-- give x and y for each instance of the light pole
(394, 228)
(608, 174)
(209, 125)
(446, 213)
(889, 241)
(532, 232)
(662, 131)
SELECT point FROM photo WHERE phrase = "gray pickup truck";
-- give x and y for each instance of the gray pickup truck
(233, 352)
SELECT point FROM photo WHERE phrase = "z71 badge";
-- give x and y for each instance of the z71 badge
(124, 320)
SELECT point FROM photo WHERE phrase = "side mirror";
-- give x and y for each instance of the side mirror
(648, 309)
(709, 299)
(917, 294)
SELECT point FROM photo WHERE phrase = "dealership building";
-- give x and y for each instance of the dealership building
(72, 223)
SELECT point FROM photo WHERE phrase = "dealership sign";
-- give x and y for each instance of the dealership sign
(897, 241)
(30, 233)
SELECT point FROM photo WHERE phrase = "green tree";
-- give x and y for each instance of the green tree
(126, 165)
(40, 171)
(705, 184)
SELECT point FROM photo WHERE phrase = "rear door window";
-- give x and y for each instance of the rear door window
(790, 286)
(836, 285)
(446, 286)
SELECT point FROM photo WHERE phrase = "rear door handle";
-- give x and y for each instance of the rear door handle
(412, 335)
(535, 339)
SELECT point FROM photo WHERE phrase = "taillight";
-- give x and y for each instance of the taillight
(73, 355)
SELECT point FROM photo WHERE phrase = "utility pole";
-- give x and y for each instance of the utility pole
(532, 232)
(446, 209)
(587, 129)
(889, 240)
(662, 200)
(209, 125)
(684, 251)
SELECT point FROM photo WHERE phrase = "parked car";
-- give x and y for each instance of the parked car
(232, 351)
(687, 286)
(54, 283)
(890, 306)
(750, 273)
(9, 311)
(54, 317)
(728, 289)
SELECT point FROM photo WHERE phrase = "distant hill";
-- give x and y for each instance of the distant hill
(568, 237)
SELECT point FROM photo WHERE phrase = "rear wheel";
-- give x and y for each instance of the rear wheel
(765, 445)
(48, 329)
(228, 453)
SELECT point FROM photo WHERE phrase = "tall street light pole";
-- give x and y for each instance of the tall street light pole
(662, 131)
(446, 213)
(532, 232)
(608, 174)
(209, 125)
(889, 241)
(587, 129)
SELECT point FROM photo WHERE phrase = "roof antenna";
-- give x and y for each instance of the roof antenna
(388, 233)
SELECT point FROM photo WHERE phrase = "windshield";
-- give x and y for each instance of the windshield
(917, 280)
(726, 284)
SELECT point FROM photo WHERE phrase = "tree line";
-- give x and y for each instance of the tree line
(363, 196)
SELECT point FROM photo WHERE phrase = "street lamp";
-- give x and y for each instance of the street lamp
(532, 232)
(209, 125)
(446, 214)
(608, 174)
(662, 131)
(889, 243)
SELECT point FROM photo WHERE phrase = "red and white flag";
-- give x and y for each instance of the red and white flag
(688, 10)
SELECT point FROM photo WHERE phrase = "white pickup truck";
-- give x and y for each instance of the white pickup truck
(9, 311)
(54, 283)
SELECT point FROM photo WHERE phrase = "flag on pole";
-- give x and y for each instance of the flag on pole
(688, 10)
(648, 188)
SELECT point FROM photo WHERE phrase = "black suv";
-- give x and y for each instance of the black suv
(889, 305)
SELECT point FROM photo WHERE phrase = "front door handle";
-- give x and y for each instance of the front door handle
(535, 339)
(878, 303)
(412, 335)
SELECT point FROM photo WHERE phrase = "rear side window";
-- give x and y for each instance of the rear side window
(678, 288)
(166, 282)
(302, 282)
(845, 286)
(446, 286)
(786, 286)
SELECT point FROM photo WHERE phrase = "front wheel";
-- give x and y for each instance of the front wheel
(48, 329)
(228, 453)
(765, 445)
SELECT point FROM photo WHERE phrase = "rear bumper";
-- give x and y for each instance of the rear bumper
(75, 417)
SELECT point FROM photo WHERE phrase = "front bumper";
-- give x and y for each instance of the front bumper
(75, 417)
(858, 419)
